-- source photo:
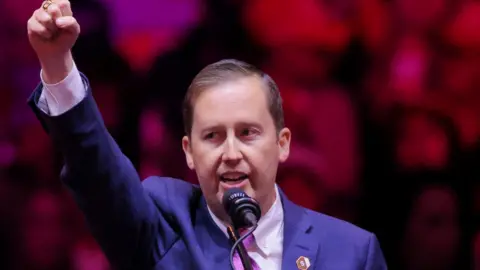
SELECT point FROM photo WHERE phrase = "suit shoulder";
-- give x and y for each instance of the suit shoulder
(164, 184)
(339, 230)
(342, 239)
(168, 190)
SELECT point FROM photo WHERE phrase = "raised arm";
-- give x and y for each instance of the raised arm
(120, 213)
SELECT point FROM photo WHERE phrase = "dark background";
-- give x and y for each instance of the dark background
(381, 96)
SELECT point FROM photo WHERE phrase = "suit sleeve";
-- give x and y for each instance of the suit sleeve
(121, 215)
(375, 259)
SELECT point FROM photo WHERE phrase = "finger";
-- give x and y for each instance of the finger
(65, 7)
(68, 23)
(35, 28)
(45, 19)
(54, 11)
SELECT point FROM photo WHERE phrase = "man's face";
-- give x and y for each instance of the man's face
(234, 142)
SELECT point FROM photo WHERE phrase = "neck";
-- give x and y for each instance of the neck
(267, 202)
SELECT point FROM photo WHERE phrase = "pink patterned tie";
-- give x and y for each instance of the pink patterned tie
(248, 243)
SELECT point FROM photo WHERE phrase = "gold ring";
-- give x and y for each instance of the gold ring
(46, 4)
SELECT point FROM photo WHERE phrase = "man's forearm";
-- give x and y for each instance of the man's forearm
(56, 69)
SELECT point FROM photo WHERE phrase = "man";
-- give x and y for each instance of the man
(235, 137)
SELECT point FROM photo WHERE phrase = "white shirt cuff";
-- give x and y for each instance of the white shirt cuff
(59, 98)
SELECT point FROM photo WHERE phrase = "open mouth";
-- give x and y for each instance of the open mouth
(228, 178)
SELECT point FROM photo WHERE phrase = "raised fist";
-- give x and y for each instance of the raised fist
(52, 31)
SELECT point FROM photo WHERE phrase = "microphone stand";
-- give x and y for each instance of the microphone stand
(242, 252)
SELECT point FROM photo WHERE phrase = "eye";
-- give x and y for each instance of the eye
(210, 136)
(247, 132)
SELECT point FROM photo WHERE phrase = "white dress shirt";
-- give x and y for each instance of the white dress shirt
(58, 98)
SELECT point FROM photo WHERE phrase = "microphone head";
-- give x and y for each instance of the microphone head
(242, 209)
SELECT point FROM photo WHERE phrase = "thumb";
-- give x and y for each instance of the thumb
(68, 23)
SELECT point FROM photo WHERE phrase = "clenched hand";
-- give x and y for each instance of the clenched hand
(52, 31)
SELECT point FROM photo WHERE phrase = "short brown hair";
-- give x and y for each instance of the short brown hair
(224, 71)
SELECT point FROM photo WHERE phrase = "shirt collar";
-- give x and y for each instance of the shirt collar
(270, 225)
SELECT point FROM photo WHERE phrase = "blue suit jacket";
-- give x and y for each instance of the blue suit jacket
(163, 223)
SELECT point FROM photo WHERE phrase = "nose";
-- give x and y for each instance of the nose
(231, 154)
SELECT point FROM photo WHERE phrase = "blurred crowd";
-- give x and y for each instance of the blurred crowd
(381, 96)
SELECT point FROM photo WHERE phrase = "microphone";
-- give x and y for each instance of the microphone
(243, 210)
(244, 213)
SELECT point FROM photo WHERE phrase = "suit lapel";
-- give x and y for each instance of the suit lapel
(297, 242)
(214, 244)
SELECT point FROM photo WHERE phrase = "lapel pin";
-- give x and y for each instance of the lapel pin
(303, 263)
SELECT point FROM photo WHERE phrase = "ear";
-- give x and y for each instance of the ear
(284, 138)
(187, 149)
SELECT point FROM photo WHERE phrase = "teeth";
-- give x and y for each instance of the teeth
(234, 177)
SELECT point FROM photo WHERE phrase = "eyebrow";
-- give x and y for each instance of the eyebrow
(237, 125)
(249, 124)
(211, 127)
